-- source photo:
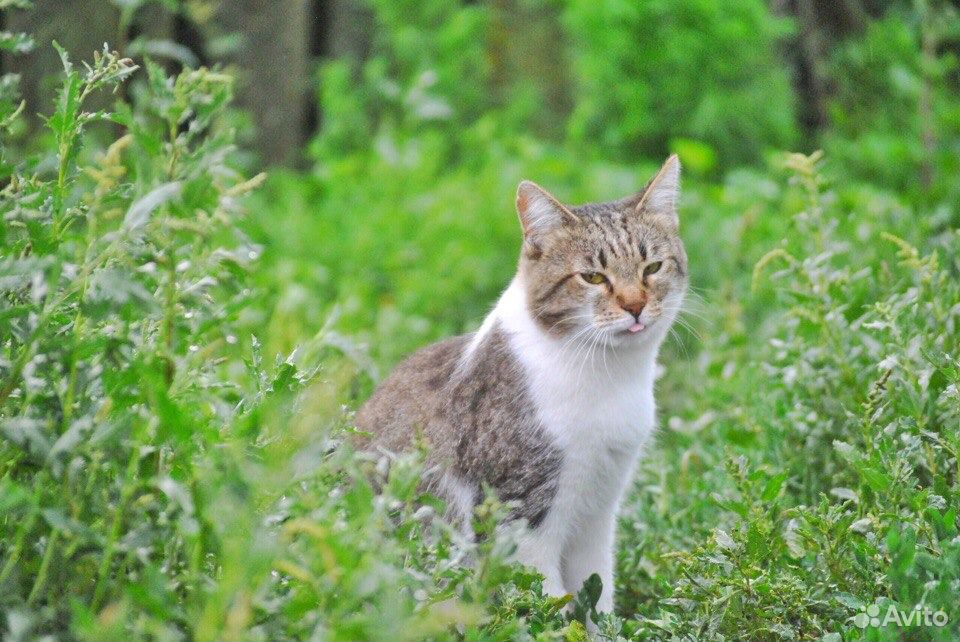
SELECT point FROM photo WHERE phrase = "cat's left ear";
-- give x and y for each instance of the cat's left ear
(540, 213)
(661, 194)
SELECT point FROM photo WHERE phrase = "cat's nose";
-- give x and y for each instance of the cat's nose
(634, 307)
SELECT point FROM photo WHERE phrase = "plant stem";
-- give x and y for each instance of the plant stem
(110, 549)
(169, 320)
(23, 531)
(41, 579)
(78, 321)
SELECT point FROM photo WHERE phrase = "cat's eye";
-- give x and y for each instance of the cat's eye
(594, 278)
(653, 268)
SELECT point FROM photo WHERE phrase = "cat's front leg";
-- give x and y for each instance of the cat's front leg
(588, 551)
(542, 553)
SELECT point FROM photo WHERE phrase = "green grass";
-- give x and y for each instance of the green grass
(179, 364)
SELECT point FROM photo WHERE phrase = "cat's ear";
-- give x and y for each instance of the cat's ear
(540, 212)
(660, 197)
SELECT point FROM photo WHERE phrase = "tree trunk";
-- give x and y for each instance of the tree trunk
(344, 29)
(526, 48)
(60, 20)
(820, 25)
(273, 62)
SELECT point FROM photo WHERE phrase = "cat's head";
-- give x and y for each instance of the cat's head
(613, 272)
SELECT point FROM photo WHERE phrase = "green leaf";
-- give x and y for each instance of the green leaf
(845, 493)
(173, 423)
(848, 452)
(903, 549)
(164, 49)
(285, 376)
(154, 594)
(60, 521)
(875, 478)
(17, 43)
(139, 212)
(12, 495)
(848, 600)
(64, 122)
(575, 631)
(16, 274)
(724, 540)
(64, 446)
(772, 488)
(585, 601)
(26, 433)
(117, 288)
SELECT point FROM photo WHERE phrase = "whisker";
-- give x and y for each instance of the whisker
(570, 339)
(690, 328)
(683, 347)
(589, 355)
(574, 317)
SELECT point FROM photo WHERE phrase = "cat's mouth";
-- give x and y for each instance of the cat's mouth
(633, 328)
(626, 329)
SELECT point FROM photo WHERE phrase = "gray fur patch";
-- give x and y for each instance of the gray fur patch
(480, 425)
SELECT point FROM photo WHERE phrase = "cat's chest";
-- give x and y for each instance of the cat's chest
(601, 434)
(593, 396)
(613, 408)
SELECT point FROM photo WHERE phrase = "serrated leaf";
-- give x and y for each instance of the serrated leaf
(286, 373)
(575, 631)
(875, 478)
(724, 540)
(772, 488)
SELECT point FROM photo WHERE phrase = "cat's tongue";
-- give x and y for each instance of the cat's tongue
(636, 327)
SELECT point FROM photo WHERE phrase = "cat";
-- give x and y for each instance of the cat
(551, 401)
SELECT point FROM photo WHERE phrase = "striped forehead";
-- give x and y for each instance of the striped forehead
(611, 240)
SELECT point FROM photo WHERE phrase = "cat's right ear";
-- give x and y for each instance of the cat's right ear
(540, 213)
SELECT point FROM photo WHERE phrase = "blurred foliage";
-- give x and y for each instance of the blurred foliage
(706, 73)
(433, 86)
(898, 125)
(181, 346)
(650, 72)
